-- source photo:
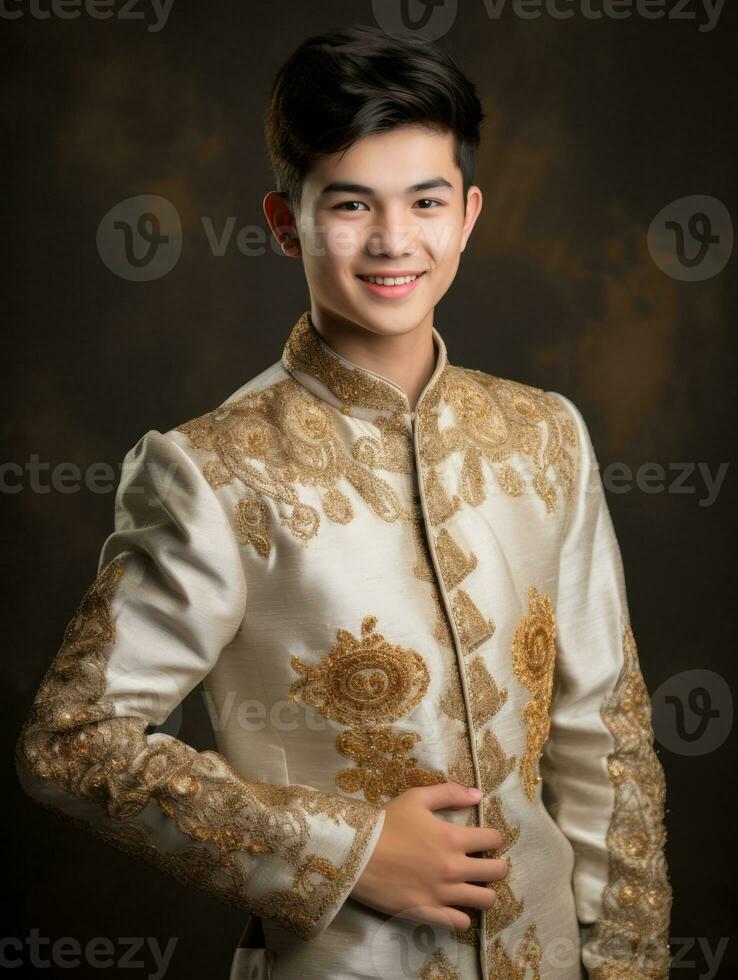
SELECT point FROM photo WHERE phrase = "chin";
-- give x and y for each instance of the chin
(389, 322)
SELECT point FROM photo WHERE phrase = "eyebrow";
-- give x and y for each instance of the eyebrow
(344, 186)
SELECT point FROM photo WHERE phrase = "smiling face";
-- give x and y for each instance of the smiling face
(389, 206)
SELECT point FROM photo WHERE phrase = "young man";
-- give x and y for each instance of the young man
(397, 579)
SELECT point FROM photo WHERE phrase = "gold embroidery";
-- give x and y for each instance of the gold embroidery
(495, 817)
(362, 683)
(384, 767)
(273, 440)
(533, 659)
(455, 565)
(438, 967)
(486, 697)
(507, 907)
(496, 419)
(473, 628)
(527, 962)
(73, 738)
(494, 767)
(392, 451)
(632, 934)
(510, 481)
(442, 627)
(253, 522)
(307, 352)
(494, 764)
(441, 505)
(461, 769)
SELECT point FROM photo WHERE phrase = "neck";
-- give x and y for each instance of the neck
(407, 359)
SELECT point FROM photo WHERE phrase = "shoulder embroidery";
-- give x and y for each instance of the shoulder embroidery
(496, 419)
(533, 659)
(274, 441)
(636, 903)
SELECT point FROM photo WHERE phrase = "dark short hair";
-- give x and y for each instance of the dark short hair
(338, 87)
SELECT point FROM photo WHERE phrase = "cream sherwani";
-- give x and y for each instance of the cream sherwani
(374, 599)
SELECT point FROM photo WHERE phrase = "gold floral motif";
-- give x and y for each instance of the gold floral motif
(636, 903)
(275, 441)
(73, 739)
(495, 420)
(533, 658)
(384, 766)
(391, 451)
(364, 683)
(526, 964)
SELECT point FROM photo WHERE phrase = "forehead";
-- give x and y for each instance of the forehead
(388, 162)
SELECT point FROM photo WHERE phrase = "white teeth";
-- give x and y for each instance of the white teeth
(399, 281)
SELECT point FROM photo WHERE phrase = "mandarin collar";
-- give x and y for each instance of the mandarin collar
(354, 390)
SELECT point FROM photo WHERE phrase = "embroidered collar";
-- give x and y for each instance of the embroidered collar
(353, 389)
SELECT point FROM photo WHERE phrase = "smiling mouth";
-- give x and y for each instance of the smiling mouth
(392, 280)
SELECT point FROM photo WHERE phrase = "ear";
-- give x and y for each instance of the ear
(282, 222)
(474, 200)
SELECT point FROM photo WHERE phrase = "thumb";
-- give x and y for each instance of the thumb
(440, 796)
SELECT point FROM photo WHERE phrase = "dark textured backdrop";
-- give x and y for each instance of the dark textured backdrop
(593, 127)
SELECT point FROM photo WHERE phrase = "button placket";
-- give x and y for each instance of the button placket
(458, 646)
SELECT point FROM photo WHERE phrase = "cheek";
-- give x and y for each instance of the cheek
(342, 242)
(442, 239)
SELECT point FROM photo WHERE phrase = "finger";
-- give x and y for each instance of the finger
(472, 896)
(482, 839)
(483, 869)
(444, 796)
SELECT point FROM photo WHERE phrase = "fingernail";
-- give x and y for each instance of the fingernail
(475, 793)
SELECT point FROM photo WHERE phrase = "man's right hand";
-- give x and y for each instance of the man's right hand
(420, 868)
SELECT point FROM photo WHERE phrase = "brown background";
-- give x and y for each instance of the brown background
(593, 127)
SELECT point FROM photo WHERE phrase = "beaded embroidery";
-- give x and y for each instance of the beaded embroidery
(533, 658)
(73, 738)
(632, 935)
(364, 683)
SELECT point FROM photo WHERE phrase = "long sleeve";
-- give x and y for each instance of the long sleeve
(602, 780)
(169, 594)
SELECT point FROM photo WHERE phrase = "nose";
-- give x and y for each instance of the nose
(390, 235)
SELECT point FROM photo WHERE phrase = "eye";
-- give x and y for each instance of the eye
(343, 205)
(431, 200)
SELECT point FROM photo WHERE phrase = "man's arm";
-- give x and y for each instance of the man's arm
(602, 780)
(170, 593)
